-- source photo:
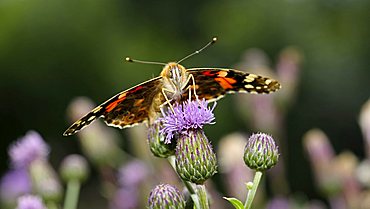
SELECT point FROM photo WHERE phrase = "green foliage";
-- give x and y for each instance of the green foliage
(235, 202)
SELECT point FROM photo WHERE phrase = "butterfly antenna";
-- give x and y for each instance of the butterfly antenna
(214, 39)
(128, 59)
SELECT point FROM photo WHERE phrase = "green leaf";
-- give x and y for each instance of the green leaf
(235, 202)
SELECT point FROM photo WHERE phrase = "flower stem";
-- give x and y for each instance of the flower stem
(73, 190)
(51, 205)
(252, 192)
(189, 187)
(202, 194)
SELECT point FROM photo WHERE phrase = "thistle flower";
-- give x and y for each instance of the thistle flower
(14, 184)
(191, 115)
(321, 155)
(195, 159)
(157, 143)
(125, 198)
(260, 153)
(27, 149)
(165, 196)
(30, 202)
(133, 173)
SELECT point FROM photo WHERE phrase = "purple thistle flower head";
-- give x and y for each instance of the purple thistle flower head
(189, 115)
(133, 173)
(27, 149)
(14, 184)
(125, 198)
(30, 202)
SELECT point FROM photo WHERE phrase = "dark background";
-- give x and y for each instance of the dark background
(54, 51)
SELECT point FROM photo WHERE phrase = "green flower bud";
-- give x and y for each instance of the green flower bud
(165, 196)
(157, 143)
(195, 159)
(45, 182)
(261, 153)
(74, 167)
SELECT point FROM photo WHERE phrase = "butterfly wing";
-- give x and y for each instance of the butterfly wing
(127, 108)
(212, 84)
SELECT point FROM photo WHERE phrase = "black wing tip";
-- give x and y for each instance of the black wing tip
(277, 86)
(74, 128)
(69, 132)
(274, 86)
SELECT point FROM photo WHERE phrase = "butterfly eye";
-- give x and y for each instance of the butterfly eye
(170, 73)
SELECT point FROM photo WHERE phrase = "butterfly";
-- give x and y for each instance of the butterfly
(142, 102)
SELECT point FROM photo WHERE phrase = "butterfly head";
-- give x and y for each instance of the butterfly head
(176, 74)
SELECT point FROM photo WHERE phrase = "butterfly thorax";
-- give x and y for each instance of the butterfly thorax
(175, 78)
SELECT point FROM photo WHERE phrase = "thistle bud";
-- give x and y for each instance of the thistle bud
(157, 143)
(261, 153)
(45, 182)
(165, 196)
(195, 159)
(74, 167)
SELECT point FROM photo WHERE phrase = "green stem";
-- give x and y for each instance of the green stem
(73, 191)
(202, 194)
(252, 192)
(51, 205)
(189, 187)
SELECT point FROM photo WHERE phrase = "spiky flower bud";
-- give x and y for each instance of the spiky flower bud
(165, 196)
(195, 160)
(74, 167)
(157, 143)
(261, 153)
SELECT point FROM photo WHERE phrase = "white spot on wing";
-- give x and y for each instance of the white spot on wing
(249, 86)
(249, 79)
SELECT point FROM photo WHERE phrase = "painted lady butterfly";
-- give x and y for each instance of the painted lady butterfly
(142, 102)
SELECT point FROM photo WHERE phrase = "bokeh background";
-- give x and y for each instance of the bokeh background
(54, 51)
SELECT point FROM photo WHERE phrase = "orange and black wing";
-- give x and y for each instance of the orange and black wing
(212, 84)
(123, 110)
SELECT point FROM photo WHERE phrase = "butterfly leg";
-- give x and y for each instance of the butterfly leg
(164, 90)
(191, 77)
(194, 86)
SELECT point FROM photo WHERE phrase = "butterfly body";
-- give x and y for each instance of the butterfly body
(174, 77)
(142, 102)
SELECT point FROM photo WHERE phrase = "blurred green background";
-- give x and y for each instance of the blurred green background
(54, 51)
